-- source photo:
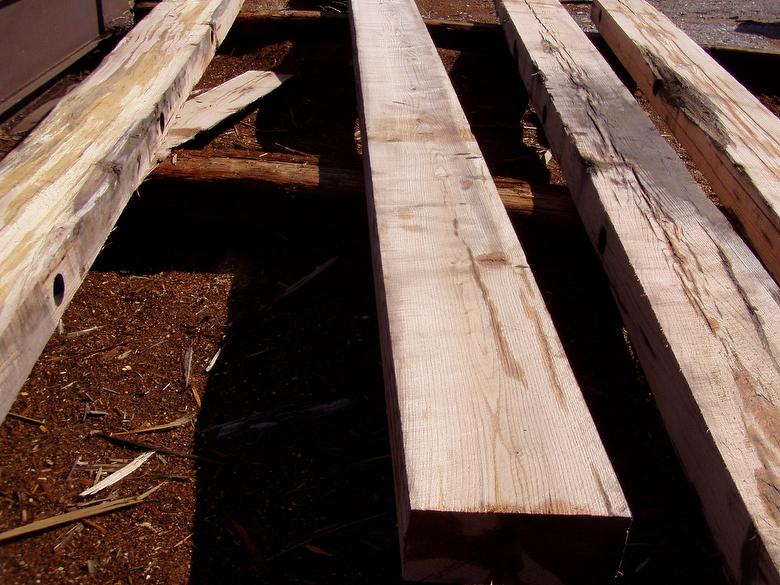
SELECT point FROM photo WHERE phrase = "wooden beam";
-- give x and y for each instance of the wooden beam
(64, 187)
(733, 139)
(208, 109)
(702, 313)
(500, 474)
(298, 174)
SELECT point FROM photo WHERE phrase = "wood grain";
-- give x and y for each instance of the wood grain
(500, 474)
(207, 110)
(702, 312)
(63, 188)
(732, 138)
(333, 177)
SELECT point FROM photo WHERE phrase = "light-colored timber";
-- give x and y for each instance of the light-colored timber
(731, 136)
(308, 174)
(63, 188)
(702, 312)
(206, 110)
(500, 474)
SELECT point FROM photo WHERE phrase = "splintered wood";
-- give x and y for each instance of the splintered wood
(500, 473)
(701, 311)
(733, 139)
(63, 188)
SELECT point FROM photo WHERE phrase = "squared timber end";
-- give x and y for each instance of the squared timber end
(534, 549)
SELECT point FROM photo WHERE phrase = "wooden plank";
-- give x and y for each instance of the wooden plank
(299, 174)
(732, 137)
(702, 313)
(500, 474)
(63, 188)
(205, 111)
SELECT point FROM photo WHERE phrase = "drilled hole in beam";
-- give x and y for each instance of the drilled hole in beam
(58, 289)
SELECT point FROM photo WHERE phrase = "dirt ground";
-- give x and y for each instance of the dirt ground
(247, 319)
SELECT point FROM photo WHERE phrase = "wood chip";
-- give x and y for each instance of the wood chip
(214, 359)
(83, 331)
(196, 395)
(117, 475)
(187, 365)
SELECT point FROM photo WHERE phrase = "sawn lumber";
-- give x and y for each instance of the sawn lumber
(701, 311)
(210, 108)
(500, 474)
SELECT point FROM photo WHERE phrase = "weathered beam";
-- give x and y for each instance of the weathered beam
(702, 313)
(500, 474)
(733, 139)
(297, 174)
(63, 188)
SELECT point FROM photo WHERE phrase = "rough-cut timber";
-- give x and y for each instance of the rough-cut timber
(207, 110)
(702, 312)
(500, 474)
(733, 138)
(293, 173)
(63, 188)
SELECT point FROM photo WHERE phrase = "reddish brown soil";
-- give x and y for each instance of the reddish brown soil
(299, 490)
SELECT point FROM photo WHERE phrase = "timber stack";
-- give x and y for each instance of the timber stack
(500, 472)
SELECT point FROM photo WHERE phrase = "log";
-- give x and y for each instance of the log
(63, 188)
(298, 174)
(499, 472)
(210, 108)
(701, 311)
(733, 139)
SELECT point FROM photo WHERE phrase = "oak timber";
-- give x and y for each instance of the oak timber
(208, 109)
(63, 188)
(732, 137)
(310, 174)
(702, 312)
(500, 474)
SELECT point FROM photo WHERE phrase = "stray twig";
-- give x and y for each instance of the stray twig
(27, 419)
(68, 517)
(298, 284)
(179, 422)
(250, 545)
(73, 531)
(323, 532)
(183, 540)
(117, 475)
(76, 463)
(95, 525)
(148, 447)
(259, 423)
